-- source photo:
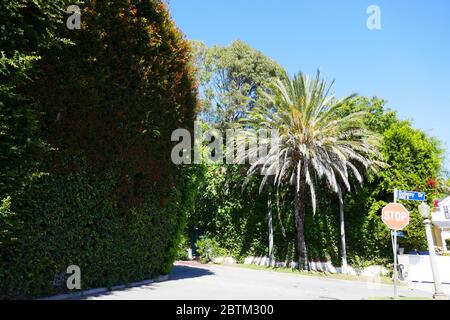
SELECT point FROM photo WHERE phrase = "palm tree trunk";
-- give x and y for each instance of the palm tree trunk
(343, 244)
(270, 222)
(300, 211)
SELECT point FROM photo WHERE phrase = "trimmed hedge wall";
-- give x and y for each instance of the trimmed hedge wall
(106, 196)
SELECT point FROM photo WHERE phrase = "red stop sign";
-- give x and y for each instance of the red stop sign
(395, 216)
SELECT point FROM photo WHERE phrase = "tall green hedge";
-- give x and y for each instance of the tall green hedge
(104, 194)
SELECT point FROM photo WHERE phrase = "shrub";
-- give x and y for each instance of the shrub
(182, 254)
(362, 262)
(208, 249)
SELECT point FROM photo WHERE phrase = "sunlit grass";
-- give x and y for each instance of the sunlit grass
(399, 298)
(328, 275)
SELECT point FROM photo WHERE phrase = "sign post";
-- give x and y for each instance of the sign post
(396, 217)
(395, 265)
(394, 240)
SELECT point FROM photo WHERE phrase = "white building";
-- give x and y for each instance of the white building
(441, 224)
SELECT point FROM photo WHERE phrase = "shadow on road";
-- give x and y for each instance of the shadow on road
(179, 272)
(187, 272)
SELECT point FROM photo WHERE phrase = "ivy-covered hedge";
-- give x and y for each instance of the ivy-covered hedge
(103, 193)
(80, 224)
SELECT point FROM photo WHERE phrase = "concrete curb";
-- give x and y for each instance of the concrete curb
(91, 292)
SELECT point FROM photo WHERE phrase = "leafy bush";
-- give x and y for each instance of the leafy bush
(6, 224)
(182, 254)
(447, 244)
(208, 249)
(362, 262)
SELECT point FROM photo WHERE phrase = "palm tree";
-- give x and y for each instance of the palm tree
(316, 143)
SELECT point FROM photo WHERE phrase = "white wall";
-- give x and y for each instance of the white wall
(418, 268)
(446, 234)
(371, 271)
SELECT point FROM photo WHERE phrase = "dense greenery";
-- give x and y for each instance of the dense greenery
(28, 28)
(236, 217)
(85, 136)
(86, 179)
(316, 146)
(415, 162)
(208, 248)
(232, 78)
(233, 216)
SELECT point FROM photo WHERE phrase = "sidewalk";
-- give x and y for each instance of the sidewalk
(429, 287)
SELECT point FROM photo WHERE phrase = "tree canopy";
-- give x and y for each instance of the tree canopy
(225, 213)
(231, 78)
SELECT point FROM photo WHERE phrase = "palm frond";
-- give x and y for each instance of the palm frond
(318, 140)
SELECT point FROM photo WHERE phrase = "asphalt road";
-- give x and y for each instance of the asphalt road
(189, 281)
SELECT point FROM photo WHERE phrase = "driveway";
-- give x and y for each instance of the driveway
(191, 281)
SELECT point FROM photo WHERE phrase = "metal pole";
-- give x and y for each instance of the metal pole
(395, 266)
(395, 251)
(438, 290)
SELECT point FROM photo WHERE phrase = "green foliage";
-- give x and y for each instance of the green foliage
(231, 78)
(79, 223)
(414, 160)
(362, 262)
(99, 190)
(233, 216)
(6, 224)
(415, 154)
(183, 246)
(208, 249)
(237, 218)
(28, 27)
(318, 143)
(447, 243)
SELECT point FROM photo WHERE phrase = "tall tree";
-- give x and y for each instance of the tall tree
(314, 143)
(231, 79)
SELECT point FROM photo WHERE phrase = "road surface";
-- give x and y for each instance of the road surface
(190, 281)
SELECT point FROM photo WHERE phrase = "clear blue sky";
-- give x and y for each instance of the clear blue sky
(407, 62)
